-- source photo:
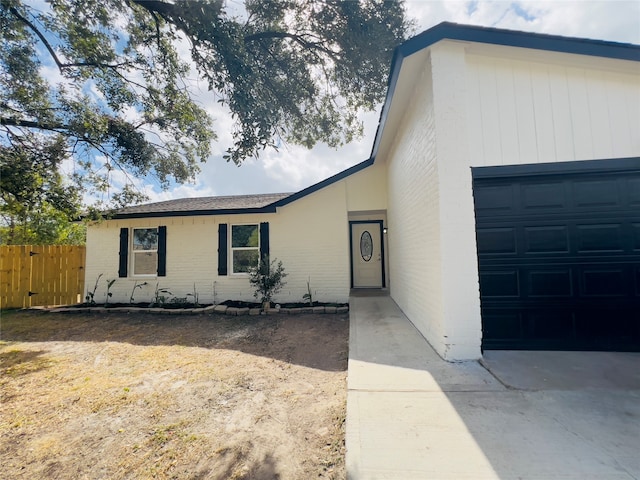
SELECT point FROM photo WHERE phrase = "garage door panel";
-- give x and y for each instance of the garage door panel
(633, 191)
(596, 193)
(503, 327)
(550, 282)
(606, 329)
(496, 241)
(599, 238)
(635, 236)
(605, 282)
(593, 328)
(541, 197)
(556, 326)
(495, 199)
(559, 266)
(502, 283)
(546, 239)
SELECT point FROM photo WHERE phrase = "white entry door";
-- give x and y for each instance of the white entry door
(366, 255)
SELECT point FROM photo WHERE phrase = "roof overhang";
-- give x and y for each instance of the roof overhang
(193, 213)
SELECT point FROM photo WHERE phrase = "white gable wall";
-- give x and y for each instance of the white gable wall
(478, 105)
(311, 237)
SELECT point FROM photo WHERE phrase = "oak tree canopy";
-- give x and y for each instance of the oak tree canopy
(116, 87)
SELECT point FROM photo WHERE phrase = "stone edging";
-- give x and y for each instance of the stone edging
(221, 309)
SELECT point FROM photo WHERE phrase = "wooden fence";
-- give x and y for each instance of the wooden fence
(33, 275)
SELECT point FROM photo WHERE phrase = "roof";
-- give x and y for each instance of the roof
(261, 203)
(495, 36)
(230, 205)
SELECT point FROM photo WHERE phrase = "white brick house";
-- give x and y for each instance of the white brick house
(505, 175)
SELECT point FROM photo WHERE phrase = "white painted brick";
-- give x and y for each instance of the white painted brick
(310, 236)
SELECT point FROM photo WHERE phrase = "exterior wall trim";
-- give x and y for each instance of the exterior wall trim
(580, 166)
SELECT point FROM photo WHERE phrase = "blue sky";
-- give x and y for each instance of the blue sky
(293, 168)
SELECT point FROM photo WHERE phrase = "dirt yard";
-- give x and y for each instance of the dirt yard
(129, 396)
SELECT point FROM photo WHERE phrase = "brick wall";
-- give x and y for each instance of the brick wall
(310, 236)
(414, 216)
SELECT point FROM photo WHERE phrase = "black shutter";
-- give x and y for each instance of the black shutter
(222, 249)
(162, 251)
(264, 240)
(124, 252)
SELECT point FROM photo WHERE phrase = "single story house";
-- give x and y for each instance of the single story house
(500, 205)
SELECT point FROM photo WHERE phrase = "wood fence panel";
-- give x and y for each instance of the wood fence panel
(14, 273)
(41, 275)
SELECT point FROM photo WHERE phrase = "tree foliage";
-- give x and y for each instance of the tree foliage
(108, 88)
(35, 201)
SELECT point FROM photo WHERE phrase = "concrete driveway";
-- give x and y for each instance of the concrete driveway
(527, 415)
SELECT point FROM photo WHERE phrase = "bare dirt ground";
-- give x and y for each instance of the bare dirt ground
(124, 396)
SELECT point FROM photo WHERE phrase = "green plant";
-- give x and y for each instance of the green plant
(267, 278)
(159, 296)
(135, 285)
(307, 296)
(109, 293)
(90, 297)
(194, 295)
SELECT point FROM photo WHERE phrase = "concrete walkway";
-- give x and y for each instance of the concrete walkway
(411, 415)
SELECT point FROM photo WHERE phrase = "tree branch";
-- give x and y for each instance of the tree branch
(61, 66)
(15, 122)
(296, 38)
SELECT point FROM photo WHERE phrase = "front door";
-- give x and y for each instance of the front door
(367, 255)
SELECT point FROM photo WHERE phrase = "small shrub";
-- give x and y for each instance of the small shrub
(90, 297)
(159, 296)
(307, 296)
(135, 285)
(109, 293)
(267, 278)
(194, 296)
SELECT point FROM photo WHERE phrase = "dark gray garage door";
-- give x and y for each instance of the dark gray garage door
(559, 255)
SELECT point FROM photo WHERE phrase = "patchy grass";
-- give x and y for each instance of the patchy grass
(141, 396)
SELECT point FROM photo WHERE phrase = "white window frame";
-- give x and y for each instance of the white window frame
(232, 249)
(133, 252)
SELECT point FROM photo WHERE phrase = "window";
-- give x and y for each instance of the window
(144, 251)
(247, 242)
(245, 247)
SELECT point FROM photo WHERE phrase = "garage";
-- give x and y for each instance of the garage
(559, 255)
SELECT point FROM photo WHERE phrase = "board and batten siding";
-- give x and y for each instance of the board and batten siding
(310, 236)
(568, 108)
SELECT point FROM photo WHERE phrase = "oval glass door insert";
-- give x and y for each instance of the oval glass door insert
(366, 246)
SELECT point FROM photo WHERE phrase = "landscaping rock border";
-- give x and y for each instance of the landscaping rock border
(221, 309)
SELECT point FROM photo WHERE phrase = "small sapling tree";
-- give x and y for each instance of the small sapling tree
(267, 278)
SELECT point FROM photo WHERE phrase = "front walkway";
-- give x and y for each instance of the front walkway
(411, 415)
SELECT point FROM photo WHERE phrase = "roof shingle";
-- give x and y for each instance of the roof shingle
(202, 205)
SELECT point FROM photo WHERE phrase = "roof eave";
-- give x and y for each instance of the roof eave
(194, 213)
